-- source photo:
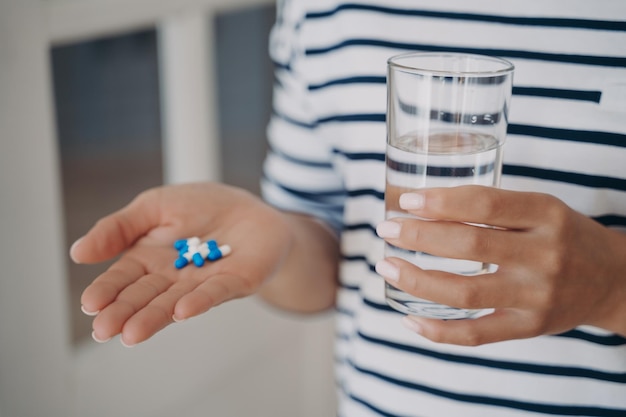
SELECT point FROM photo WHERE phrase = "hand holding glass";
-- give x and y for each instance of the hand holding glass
(446, 125)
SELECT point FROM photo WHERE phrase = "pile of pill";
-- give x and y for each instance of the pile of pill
(196, 251)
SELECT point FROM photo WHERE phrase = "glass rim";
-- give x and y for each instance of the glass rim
(507, 66)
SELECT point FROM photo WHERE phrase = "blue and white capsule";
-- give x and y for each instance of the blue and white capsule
(194, 250)
(183, 245)
(219, 252)
(181, 262)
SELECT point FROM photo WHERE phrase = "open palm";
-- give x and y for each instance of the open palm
(142, 292)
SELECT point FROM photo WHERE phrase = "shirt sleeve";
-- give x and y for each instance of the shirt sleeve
(298, 172)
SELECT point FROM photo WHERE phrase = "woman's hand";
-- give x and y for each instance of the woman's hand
(557, 269)
(142, 292)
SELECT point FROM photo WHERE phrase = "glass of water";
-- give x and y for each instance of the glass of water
(446, 125)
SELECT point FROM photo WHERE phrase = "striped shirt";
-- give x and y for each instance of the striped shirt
(566, 137)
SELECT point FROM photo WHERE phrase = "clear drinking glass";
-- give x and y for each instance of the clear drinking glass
(446, 125)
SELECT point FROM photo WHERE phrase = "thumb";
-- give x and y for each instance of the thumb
(118, 231)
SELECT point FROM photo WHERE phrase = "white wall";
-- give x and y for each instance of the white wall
(34, 348)
(239, 359)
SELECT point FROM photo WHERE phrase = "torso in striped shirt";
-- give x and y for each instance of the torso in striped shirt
(567, 137)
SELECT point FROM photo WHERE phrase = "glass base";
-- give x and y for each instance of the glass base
(408, 304)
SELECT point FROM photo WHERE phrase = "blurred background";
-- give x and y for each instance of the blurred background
(99, 100)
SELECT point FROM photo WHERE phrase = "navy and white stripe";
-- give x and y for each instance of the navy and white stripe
(566, 137)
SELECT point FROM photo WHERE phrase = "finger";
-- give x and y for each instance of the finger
(491, 290)
(507, 324)
(158, 313)
(106, 287)
(129, 301)
(468, 242)
(116, 232)
(481, 205)
(211, 293)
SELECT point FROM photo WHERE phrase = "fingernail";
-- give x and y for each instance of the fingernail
(73, 247)
(411, 324)
(87, 312)
(388, 270)
(94, 337)
(411, 201)
(126, 345)
(177, 320)
(388, 229)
